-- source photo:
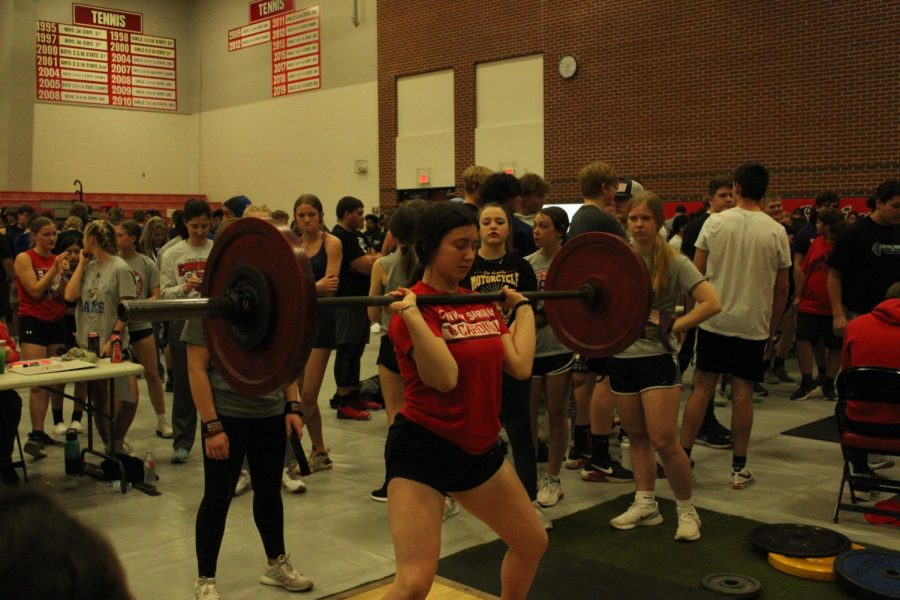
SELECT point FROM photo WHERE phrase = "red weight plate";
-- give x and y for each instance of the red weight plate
(617, 318)
(280, 357)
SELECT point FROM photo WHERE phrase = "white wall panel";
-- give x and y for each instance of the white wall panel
(510, 114)
(113, 150)
(275, 150)
(425, 129)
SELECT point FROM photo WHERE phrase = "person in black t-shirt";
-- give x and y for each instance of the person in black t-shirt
(351, 322)
(505, 190)
(594, 401)
(373, 234)
(804, 236)
(866, 259)
(496, 265)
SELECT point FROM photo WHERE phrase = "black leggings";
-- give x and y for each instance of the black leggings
(514, 413)
(10, 414)
(262, 441)
(346, 364)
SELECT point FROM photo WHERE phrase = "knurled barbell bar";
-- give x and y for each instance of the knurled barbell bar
(260, 296)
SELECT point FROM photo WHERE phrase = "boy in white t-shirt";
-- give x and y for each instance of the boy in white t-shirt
(746, 256)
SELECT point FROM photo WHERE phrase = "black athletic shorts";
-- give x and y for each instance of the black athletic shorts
(733, 355)
(325, 335)
(597, 366)
(555, 364)
(387, 358)
(43, 333)
(810, 328)
(629, 376)
(136, 336)
(413, 452)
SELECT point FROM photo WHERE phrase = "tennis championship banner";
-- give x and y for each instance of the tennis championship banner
(294, 38)
(104, 59)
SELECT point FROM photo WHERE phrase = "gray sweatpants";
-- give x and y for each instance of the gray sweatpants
(184, 414)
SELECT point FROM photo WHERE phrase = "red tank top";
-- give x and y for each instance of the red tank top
(50, 306)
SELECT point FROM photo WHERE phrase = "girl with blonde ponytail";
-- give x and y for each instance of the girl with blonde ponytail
(645, 379)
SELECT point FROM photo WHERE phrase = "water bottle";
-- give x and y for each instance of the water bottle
(72, 453)
(625, 453)
(2, 359)
(149, 469)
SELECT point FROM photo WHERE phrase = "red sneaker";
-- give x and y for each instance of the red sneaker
(366, 404)
(349, 412)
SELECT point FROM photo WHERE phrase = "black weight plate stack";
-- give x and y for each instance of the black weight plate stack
(799, 541)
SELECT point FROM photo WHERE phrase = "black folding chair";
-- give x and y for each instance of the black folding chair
(868, 416)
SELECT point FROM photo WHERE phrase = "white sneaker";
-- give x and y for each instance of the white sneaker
(877, 462)
(205, 589)
(163, 429)
(551, 491)
(59, 428)
(546, 522)
(741, 479)
(283, 574)
(638, 516)
(243, 483)
(450, 508)
(688, 525)
(319, 461)
(292, 484)
(76, 425)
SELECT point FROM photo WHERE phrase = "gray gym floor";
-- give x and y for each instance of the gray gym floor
(340, 538)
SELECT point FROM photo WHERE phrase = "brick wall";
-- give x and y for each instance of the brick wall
(670, 93)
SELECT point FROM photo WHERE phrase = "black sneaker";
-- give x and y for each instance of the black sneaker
(807, 392)
(759, 390)
(778, 375)
(35, 447)
(46, 440)
(828, 393)
(611, 471)
(8, 475)
(716, 436)
(577, 459)
(379, 495)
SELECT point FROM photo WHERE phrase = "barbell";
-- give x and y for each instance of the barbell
(259, 304)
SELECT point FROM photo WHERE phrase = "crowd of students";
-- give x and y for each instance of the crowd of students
(453, 375)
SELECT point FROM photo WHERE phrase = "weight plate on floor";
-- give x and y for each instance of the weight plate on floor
(799, 541)
(733, 584)
(818, 569)
(869, 573)
(617, 315)
(255, 365)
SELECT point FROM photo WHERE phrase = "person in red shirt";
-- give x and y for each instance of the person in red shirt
(872, 341)
(40, 281)
(444, 441)
(10, 413)
(814, 310)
